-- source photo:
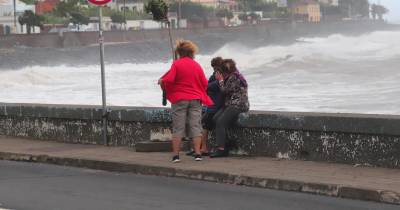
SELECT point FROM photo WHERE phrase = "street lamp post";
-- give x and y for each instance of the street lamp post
(15, 14)
(103, 80)
(179, 13)
(105, 112)
(125, 14)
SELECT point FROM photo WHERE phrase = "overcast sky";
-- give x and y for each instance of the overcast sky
(393, 6)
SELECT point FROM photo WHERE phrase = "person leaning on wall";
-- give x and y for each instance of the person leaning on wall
(233, 87)
(185, 85)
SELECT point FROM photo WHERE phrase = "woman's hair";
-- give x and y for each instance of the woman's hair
(229, 66)
(217, 63)
(185, 48)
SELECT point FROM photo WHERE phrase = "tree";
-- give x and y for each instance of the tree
(243, 17)
(254, 17)
(65, 8)
(351, 8)
(78, 19)
(254, 5)
(224, 13)
(328, 9)
(378, 10)
(29, 1)
(118, 18)
(374, 11)
(30, 19)
(257, 5)
(192, 11)
(158, 8)
(71, 12)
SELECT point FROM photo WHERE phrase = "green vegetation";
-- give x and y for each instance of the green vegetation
(327, 9)
(78, 19)
(257, 5)
(74, 12)
(117, 18)
(30, 19)
(378, 10)
(64, 8)
(224, 13)
(158, 9)
(49, 18)
(78, 12)
(349, 8)
(29, 1)
(69, 12)
(193, 11)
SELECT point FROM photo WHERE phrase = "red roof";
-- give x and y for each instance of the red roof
(45, 6)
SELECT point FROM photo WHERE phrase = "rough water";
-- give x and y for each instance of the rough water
(346, 74)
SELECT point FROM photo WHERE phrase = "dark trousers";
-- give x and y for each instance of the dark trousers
(223, 119)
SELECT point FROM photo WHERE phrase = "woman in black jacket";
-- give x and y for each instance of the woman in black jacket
(213, 90)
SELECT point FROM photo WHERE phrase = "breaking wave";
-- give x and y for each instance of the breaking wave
(325, 74)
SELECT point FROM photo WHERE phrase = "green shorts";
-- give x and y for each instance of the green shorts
(186, 119)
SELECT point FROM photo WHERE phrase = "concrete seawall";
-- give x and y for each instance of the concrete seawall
(343, 138)
(270, 32)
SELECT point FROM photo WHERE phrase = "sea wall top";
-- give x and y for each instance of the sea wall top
(323, 122)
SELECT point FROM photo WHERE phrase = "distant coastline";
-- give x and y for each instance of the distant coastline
(270, 31)
(147, 46)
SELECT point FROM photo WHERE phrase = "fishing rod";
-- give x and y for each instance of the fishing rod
(159, 10)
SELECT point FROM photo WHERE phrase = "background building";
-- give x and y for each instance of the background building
(307, 10)
(225, 4)
(129, 5)
(330, 2)
(7, 22)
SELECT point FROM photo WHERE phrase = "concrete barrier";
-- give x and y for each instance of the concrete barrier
(343, 138)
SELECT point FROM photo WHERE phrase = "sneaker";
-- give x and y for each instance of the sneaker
(192, 153)
(176, 159)
(219, 153)
(198, 157)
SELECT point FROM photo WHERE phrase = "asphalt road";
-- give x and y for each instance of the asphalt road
(26, 186)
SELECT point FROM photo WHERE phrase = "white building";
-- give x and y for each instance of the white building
(330, 2)
(7, 7)
(7, 15)
(129, 5)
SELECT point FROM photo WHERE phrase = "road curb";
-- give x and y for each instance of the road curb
(332, 190)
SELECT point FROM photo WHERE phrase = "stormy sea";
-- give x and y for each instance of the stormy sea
(336, 73)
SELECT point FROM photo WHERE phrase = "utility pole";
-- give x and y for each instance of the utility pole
(15, 15)
(179, 15)
(350, 12)
(103, 80)
(125, 15)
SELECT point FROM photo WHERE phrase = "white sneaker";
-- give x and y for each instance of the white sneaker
(198, 157)
(176, 159)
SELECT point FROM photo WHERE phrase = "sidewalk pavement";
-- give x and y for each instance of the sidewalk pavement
(338, 180)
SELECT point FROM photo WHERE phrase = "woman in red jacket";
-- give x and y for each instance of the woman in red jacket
(186, 85)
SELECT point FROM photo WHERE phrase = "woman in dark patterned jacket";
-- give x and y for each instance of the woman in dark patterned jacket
(233, 86)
